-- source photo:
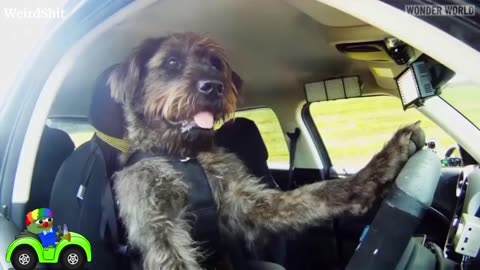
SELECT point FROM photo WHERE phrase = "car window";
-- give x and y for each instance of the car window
(353, 130)
(272, 134)
(464, 95)
(78, 130)
(265, 119)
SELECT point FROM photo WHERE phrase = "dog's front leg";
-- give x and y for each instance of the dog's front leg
(152, 207)
(248, 208)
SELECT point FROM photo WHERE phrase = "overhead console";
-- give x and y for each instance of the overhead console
(390, 50)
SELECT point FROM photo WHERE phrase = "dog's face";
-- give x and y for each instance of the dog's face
(182, 81)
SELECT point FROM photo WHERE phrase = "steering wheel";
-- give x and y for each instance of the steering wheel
(65, 233)
(401, 211)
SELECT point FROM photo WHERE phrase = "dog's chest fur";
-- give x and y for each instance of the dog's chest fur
(158, 179)
(165, 195)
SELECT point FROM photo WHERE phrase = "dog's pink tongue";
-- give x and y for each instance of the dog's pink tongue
(204, 119)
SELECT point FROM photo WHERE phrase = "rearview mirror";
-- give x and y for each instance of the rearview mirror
(332, 89)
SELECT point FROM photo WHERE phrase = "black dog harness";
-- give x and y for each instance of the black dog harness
(203, 209)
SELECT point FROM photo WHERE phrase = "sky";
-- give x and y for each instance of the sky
(22, 24)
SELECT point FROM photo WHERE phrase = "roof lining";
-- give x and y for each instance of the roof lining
(272, 45)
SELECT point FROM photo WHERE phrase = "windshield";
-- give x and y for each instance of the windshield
(463, 23)
(464, 96)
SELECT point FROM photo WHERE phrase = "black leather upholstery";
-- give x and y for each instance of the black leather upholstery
(106, 115)
(242, 137)
(55, 146)
(79, 185)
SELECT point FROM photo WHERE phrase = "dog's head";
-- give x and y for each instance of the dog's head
(180, 82)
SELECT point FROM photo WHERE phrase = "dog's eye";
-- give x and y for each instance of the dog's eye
(172, 61)
(216, 63)
(173, 64)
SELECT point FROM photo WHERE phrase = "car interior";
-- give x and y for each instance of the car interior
(278, 48)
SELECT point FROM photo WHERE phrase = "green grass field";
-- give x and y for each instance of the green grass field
(353, 130)
(363, 126)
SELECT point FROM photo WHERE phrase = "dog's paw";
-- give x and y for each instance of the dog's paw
(417, 138)
(408, 140)
(412, 135)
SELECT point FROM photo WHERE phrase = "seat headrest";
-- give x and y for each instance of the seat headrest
(242, 137)
(106, 115)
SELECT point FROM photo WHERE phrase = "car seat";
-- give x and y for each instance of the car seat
(55, 146)
(242, 137)
(80, 183)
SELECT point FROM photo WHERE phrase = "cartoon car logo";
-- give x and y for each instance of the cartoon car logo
(44, 243)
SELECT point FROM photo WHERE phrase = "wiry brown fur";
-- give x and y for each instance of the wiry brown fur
(150, 96)
(153, 196)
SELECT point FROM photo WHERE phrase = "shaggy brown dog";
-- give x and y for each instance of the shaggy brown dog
(173, 89)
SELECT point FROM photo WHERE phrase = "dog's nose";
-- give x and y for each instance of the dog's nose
(208, 86)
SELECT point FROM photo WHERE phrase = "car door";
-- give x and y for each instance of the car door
(23, 96)
(353, 130)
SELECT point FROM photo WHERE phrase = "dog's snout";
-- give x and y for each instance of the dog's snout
(210, 86)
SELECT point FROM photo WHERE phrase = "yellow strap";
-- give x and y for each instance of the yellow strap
(120, 144)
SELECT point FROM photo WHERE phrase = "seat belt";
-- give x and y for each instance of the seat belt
(204, 212)
(109, 220)
(293, 136)
(204, 218)
(112, 233)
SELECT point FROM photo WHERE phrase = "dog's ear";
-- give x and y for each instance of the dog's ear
(125, 81)
(237, 82)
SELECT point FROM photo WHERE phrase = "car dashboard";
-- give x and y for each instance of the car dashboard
(463, 239)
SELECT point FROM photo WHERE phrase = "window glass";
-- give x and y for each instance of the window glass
(353, 130)
(79, 131)
(264, 118)
(272, 134)
(464, 96)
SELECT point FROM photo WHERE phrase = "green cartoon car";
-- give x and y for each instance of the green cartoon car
(44, 243)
